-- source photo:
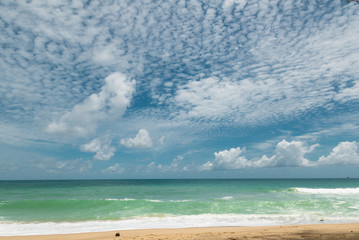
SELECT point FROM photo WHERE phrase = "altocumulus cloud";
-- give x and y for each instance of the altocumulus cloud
(287, 154)
(111, 102)
(277, 53)
(265, 54)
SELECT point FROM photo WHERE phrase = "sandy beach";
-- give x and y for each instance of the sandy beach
(315, 231)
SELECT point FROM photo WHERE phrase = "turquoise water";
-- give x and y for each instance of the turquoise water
(96, 205)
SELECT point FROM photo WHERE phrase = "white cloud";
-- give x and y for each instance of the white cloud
(227, 159)
(264, 145)
(162, 140)
(174, 166)
(105, 55)
(247, 102)
(101, 146)
(297, 52)
(287, 154)
(336, 130)
(293, 67)
(345, 153)
(287, 50)
(229, 4)
(52, 165)
(229, 62)
(114, 169)
(142, 140)
(111, 102)
(347, 94)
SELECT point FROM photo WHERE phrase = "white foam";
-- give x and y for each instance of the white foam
(203, 220)
(153, 200)
(185, 200)
(227, 198)
(328, 190)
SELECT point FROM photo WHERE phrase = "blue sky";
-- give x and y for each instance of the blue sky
(179, 89)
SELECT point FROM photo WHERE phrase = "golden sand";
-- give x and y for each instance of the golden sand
(293, 232)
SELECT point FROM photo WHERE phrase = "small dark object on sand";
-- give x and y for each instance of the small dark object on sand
(117, 234)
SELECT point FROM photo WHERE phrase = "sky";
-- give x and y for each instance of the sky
(179, 89)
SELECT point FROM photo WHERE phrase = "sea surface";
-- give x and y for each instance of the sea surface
(50, 207)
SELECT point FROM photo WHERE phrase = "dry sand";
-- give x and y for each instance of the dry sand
(294, 232)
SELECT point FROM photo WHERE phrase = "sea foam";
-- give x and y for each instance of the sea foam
(328, 190)
(184, 221)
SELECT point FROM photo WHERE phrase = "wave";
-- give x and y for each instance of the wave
(180, 201)
(153, 200)
(227, 198)
(340, 191)
(166, 221)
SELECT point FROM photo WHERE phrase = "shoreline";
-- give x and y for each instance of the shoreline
(310, 231)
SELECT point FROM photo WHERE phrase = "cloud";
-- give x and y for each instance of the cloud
(276, 79)
(227, 159)
(348, 94)
(142, 140)
(248, 101)
(101, 146)
(8, 167)
(345, 153)
(175, 165)
(114, 169)
(293, 51)
(111, 102)
(287, 154)
(162, 140)
(197, 64)
(52, 165)
(209, 98)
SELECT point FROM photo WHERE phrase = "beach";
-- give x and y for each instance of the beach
(306, 232)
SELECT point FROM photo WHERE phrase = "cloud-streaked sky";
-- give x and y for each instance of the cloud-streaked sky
(158, 89)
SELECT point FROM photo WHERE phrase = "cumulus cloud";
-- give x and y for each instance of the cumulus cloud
(101, 146)
(227, 159)
(345, 153)
(111, 102)
(287, 154)
(142, 140)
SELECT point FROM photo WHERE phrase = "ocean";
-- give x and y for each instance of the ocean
(75, 206)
